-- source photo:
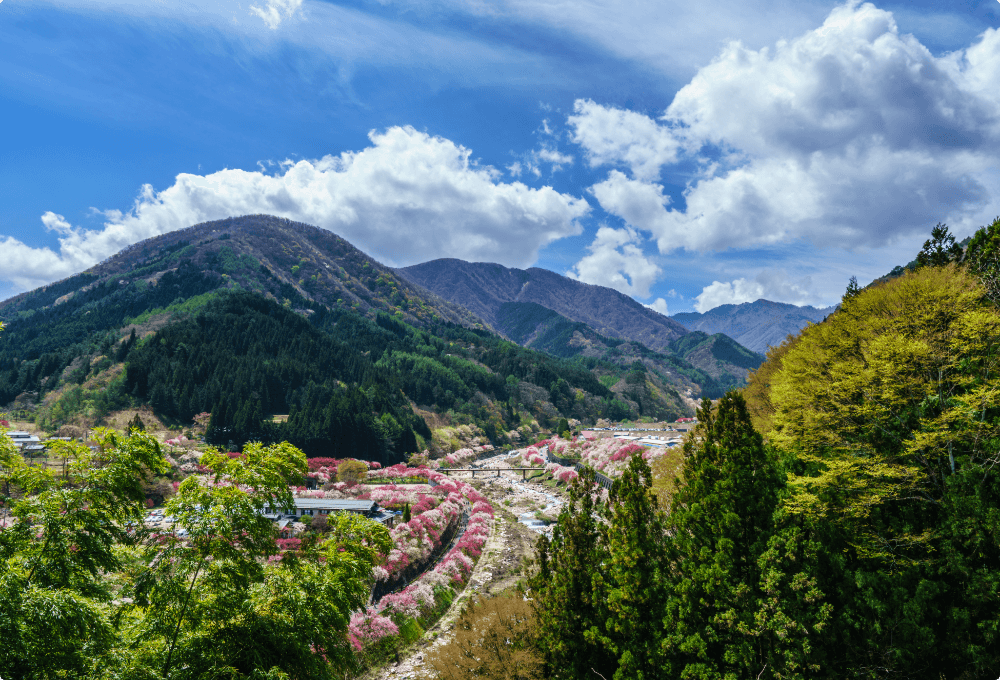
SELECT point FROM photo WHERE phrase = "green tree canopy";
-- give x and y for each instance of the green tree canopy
(743, 600)
(86, 591)
(889, 412)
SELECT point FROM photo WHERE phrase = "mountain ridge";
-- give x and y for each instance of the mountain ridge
(483, 287)
(297, 261)
(255, 316)
(756, 325)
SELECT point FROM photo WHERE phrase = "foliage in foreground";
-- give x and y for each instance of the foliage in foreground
(493, 638)
(858, 537)
(716, 589)
(85, 591)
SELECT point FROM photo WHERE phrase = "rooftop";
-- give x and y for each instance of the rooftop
(338, 504)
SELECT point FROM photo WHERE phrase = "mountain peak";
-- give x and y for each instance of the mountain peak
(756, 325)
(484, 287)
(272, 255)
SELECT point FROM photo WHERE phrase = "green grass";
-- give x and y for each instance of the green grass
(410, 631)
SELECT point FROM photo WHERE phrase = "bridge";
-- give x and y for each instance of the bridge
(523, 470)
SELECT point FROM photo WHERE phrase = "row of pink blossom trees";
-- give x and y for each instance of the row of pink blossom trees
(424, 600)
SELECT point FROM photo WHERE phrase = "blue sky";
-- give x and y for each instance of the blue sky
(688, 154)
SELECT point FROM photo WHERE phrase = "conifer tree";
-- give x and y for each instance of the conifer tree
(853, 289)
(634, 574)
(570, 603)
(135, 424)
(939, 249)
(721, 520)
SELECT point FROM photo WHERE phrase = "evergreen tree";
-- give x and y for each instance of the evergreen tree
(634, 576)
(852, 288)
(939, 249)
(722, 521)
(983, 257)
(570, 602)
(135, 424)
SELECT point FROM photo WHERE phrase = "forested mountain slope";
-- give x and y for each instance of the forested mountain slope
(214, 319)
(706, 370)
(276, 257)
(543, 310)
(719, 355)
(888, 412)
(839, 518)
(485, 288)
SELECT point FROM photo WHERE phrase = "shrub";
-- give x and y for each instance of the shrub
(352, 471)
(494, 638)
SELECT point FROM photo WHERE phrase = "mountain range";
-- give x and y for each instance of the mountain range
(503, 297)
(254, 316)
(755, 325)
(541, 309)
(251, 317)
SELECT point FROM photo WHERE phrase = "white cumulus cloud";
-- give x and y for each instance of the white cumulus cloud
(616, 261)
(768, 284)
(658, 305)
(617, 136)
(276, 11)
(407, 198)
(851, 135)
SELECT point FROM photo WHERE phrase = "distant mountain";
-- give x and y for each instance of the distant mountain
(485, 288)
(755, 325)
(718, 355)
(712, 362)
(540, 309)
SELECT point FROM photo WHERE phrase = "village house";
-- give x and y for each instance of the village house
(313, 507)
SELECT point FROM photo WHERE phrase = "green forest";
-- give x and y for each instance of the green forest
(255, 317)
(839, 518)
(190, 326)
(345, 381)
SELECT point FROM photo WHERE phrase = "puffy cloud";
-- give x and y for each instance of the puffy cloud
(616, 261)
(408, 198)
(275, 11)
(616, 136)
(850, 135)
(769, 284)
(659, 305)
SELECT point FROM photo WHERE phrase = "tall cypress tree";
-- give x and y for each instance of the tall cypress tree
(634, 574)
(722, 518)
(570, 601)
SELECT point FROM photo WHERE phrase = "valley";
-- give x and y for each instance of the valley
(249, 318)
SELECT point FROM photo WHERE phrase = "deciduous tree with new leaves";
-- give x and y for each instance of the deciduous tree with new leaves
(86, 591)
